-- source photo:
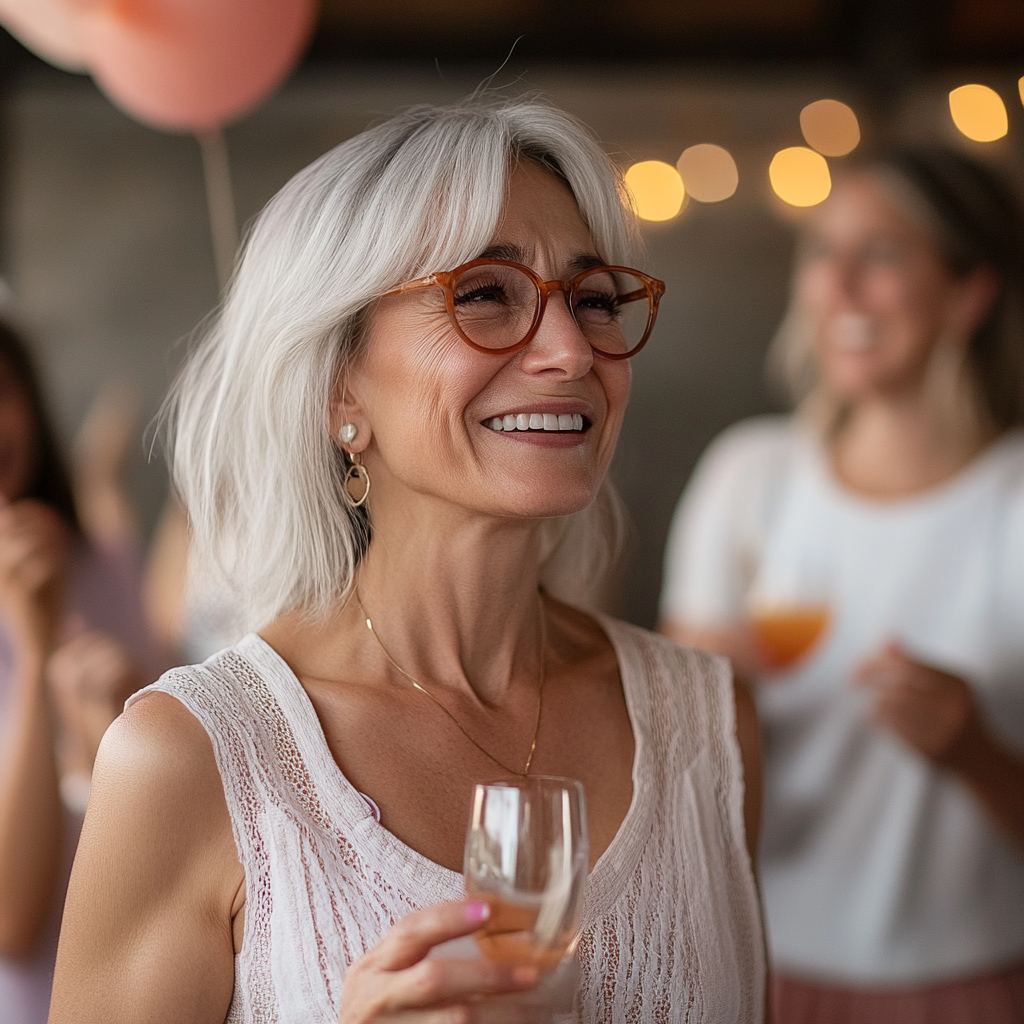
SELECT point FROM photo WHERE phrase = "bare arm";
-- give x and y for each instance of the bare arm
(31, 818)
(148, 923)
(32, 557)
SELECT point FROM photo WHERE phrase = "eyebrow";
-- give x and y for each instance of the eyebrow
(578, 262)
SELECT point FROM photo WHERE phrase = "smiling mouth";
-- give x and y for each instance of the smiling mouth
(564, 423)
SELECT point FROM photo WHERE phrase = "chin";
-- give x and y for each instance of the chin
(548, 502)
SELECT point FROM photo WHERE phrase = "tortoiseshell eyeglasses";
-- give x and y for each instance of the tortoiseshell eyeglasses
(497, 305)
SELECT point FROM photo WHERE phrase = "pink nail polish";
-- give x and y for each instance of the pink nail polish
(477, 913)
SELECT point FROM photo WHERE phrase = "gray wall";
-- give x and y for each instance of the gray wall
(107, 249)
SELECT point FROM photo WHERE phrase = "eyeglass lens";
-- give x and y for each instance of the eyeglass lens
(495, 306)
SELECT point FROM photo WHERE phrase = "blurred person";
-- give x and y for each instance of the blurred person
(72, 646)
(862, 563)
(278, 834)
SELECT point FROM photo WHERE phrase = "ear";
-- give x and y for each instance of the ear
(971, 301)
(345, 407)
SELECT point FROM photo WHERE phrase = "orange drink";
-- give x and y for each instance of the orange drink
(785, 633)
(508, 937)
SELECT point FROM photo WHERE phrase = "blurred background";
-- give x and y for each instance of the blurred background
(713, 105)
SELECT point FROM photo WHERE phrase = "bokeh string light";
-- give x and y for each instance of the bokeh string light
(830, 127)
(979, 112)
(709, 172)
(657, 189)
(800, 176)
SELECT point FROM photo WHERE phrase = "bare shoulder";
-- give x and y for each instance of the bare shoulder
(157, 780)
(157, 750)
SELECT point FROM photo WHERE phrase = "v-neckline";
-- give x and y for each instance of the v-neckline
(349, 814)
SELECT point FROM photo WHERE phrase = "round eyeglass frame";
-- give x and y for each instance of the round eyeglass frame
(446, 281)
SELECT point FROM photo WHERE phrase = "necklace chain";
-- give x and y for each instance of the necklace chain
(422, 689)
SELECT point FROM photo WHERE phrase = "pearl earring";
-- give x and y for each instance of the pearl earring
(348, 432)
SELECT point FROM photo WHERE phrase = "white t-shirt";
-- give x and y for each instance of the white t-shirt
(877, 867)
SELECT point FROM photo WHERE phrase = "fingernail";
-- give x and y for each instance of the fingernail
(477, 913)
(525, 975)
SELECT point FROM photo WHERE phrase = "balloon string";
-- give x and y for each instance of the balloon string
(220, 202)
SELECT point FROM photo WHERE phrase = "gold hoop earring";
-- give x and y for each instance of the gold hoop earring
(357, 482)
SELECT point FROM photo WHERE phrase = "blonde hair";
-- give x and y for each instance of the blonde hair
(250, 450)
(975, 222)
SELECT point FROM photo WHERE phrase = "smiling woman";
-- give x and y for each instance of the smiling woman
(403, 419)
(864, 565)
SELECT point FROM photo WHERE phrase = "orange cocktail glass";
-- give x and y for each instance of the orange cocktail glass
(786, 633)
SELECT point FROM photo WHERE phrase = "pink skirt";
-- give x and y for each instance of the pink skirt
(995, 998)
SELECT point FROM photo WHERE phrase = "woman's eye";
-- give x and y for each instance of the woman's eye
(480, 293)
(598, 302)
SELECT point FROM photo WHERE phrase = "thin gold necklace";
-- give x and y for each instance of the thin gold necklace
(419, 686)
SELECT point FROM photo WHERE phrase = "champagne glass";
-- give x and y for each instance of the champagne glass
(526, 857)
(790, 611)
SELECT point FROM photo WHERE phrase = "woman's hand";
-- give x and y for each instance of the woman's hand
(90, 677)
(33, 557)
(395, 981)
(929, 709)
(936, 713)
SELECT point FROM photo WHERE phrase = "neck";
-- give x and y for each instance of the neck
(454, 598)
(896, 444)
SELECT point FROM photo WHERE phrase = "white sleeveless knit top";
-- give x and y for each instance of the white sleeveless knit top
(671, 925)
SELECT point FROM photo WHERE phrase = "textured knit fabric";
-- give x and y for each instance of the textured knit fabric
(671, 929)
(878, 868)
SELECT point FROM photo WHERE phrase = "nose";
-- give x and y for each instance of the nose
(559, 347)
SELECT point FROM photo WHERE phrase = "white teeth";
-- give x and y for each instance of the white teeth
(853, 332)
(563, 422)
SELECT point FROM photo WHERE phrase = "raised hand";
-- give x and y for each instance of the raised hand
(90, 677)
(931, 710)
(33, 557)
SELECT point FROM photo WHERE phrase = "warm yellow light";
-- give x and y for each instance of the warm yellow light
(978, 112)
(708, 172)
(830, 127)
(800, 176)
(1020, 88)
(657, 189)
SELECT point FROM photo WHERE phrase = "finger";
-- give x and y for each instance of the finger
(443, 982)
(415, 935)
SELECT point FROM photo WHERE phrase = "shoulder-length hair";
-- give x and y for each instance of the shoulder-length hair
(251, 452)
(50, 481)
(975, 221)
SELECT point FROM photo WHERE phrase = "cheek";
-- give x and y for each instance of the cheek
(815, 288)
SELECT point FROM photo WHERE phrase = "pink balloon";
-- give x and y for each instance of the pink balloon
(51, 28)
(193, 65)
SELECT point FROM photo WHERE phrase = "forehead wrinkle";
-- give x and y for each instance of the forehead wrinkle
(577, 262)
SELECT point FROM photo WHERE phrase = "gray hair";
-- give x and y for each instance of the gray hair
(250, 448)
(975, 221)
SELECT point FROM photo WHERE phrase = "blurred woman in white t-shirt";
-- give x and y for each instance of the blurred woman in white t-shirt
(863, 564)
